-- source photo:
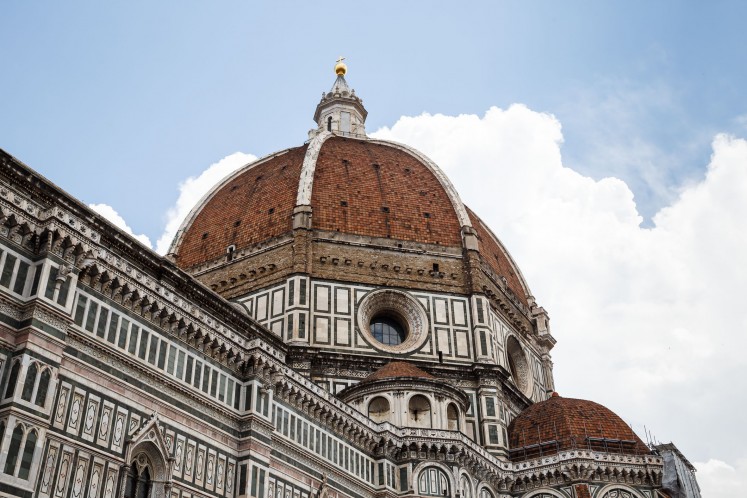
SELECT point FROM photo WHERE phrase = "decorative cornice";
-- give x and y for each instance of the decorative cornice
(114, 263)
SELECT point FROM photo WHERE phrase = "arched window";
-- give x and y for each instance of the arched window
(138, 483)
(452, 417)
(419, 410)
(433, 482)
(145, 477)
(143, 484)
(12, 379)
(486, 493)
(28, 385)
(465, 488)
(329, 123)
(517, 363)
(28, 455)
(41, 391)
(13, 450)
(378, 409)
(131, 484)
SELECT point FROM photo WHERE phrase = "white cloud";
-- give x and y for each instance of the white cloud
(113, 216)
(649, 321)
(614, 129)
(718, 479)
(193, 189)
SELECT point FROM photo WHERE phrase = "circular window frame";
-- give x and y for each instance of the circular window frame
(401, 306)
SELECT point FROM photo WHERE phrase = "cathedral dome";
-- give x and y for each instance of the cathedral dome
(558, 424)
(345, 186)
(359, 187)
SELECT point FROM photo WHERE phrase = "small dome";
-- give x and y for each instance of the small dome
(396, 370)
(559, 424)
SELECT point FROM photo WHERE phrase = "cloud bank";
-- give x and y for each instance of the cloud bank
(193, 189)
(719, 479)
(648, 320)
(114, 217)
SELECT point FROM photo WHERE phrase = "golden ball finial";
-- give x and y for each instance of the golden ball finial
(340, 67)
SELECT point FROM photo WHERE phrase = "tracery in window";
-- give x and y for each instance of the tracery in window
(30, 382)
(433, 482)
(23, 445)
(139, 482)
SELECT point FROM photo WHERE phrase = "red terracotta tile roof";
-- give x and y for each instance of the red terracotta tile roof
(255, 206)
(559, 424)
(496, 258)
(375, 190)
(359, 188)
(396, 370)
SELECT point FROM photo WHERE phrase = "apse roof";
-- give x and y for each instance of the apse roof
(558, 424)
(398, 369)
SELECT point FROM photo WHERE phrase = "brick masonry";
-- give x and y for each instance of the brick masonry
(254, 206)
(569, 422)
(370, 189)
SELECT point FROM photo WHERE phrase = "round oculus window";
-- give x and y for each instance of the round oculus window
(392, 321)
(387, 330)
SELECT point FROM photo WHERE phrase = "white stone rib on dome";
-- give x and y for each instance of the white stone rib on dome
(306, 182)
(456, 201)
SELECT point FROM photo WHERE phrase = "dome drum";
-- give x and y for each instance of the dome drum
(335, 256)
(405, 396)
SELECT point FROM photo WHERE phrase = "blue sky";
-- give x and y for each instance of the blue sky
(120, 103)
(115, 99)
